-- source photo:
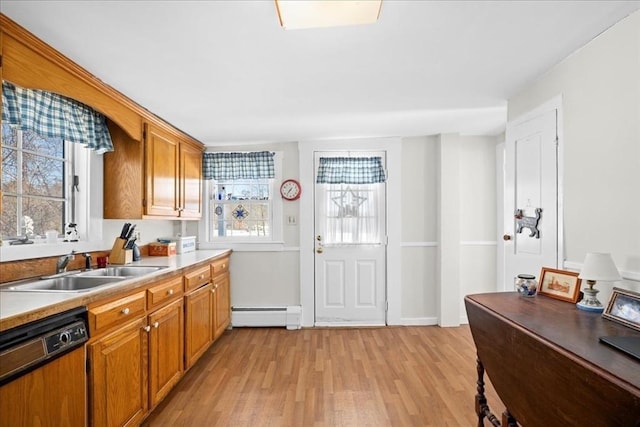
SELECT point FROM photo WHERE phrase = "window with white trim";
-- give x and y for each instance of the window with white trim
(35, 194)
(242, 203)
(48, 145)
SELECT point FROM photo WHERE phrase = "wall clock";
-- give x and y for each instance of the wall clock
(290, 189)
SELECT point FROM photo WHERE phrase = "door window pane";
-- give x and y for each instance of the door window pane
(351, 213)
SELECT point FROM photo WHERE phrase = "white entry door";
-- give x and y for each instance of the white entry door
(350, 250)
(531, 197)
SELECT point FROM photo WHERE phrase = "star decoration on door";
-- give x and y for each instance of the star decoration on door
(240, 213)
(348, 203)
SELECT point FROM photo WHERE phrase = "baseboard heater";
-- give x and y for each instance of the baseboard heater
(284, 316)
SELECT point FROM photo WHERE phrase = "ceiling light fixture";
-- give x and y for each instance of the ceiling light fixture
(298, 14)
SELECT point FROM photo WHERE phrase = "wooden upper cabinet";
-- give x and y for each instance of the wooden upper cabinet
(173, 175)
(123, 176)
(162, 157)
(157, 175)
(160, 177)
(190, 181)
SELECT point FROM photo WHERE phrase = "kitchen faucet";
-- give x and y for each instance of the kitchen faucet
(87, 261)
(61, 264)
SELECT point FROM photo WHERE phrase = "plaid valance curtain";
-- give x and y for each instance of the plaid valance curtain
(350, 170)
(55, 116)
(223, 166)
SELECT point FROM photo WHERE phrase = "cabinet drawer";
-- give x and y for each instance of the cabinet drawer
(220, 266)
(164, 292)
(104, 316)
(197, 278)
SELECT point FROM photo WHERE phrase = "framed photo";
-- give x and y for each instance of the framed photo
(559, 284)
(624, 307)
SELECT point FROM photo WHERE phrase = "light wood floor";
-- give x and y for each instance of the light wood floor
(394, 376)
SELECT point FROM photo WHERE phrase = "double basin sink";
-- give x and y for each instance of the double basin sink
(82, 281)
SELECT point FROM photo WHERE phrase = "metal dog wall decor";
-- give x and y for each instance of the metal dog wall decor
(530, 222)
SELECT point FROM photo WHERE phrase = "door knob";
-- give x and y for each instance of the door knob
(506, 237)
(319, 249)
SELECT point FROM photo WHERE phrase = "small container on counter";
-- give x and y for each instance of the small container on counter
(526, 285)
(103, 261)
(162, 249)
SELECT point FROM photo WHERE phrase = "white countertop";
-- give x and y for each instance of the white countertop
(29, 304)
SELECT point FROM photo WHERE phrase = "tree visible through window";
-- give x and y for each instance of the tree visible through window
(34, 198)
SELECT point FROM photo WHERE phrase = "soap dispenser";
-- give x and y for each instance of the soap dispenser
(136, 253)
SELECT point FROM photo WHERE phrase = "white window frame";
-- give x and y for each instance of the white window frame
(273, 242)
(88, 207)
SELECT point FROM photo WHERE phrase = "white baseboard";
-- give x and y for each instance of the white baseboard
(418, 321)
(282, 316)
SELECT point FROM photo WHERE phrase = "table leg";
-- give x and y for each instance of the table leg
(482, 409)
(508, 420)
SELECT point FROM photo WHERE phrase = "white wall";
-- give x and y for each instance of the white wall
(269, 278)
(600, 88)
(466, 222)
(419, 230)
(477, 216)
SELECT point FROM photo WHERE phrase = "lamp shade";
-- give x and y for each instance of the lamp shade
(599, 266)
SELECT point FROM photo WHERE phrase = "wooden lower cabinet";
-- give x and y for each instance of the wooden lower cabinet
(118, 376)
(222, 304)
(134, 367)
(207, 310)
(166, 344)
(198, 310)
(137, 355)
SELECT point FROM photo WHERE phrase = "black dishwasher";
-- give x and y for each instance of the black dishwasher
(27, 347)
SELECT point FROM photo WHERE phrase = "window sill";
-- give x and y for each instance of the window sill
(249, 246)
(43, 250)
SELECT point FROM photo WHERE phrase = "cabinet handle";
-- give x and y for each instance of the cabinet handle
(125, 311)
(224, 266)
(170, 292)
(147, 328)
(202, 276)
(156, 324)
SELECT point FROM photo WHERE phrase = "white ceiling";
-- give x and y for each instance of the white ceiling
(226, 72)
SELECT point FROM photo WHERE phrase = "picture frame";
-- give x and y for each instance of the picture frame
(559, 284)
(624, 307)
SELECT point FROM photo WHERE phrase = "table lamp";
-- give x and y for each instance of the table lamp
(596, 267)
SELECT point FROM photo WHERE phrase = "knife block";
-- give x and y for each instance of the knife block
(120, 255)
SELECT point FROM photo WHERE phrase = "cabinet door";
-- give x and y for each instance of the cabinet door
(222, 306)
(190, 181)
(165, 350)
(118, 377)
(161, 172)
(198, 323)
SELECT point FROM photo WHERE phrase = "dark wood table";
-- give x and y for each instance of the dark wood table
(545, 361)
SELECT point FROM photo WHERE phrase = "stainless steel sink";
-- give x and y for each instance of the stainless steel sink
(64, 284)
(119, 271)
